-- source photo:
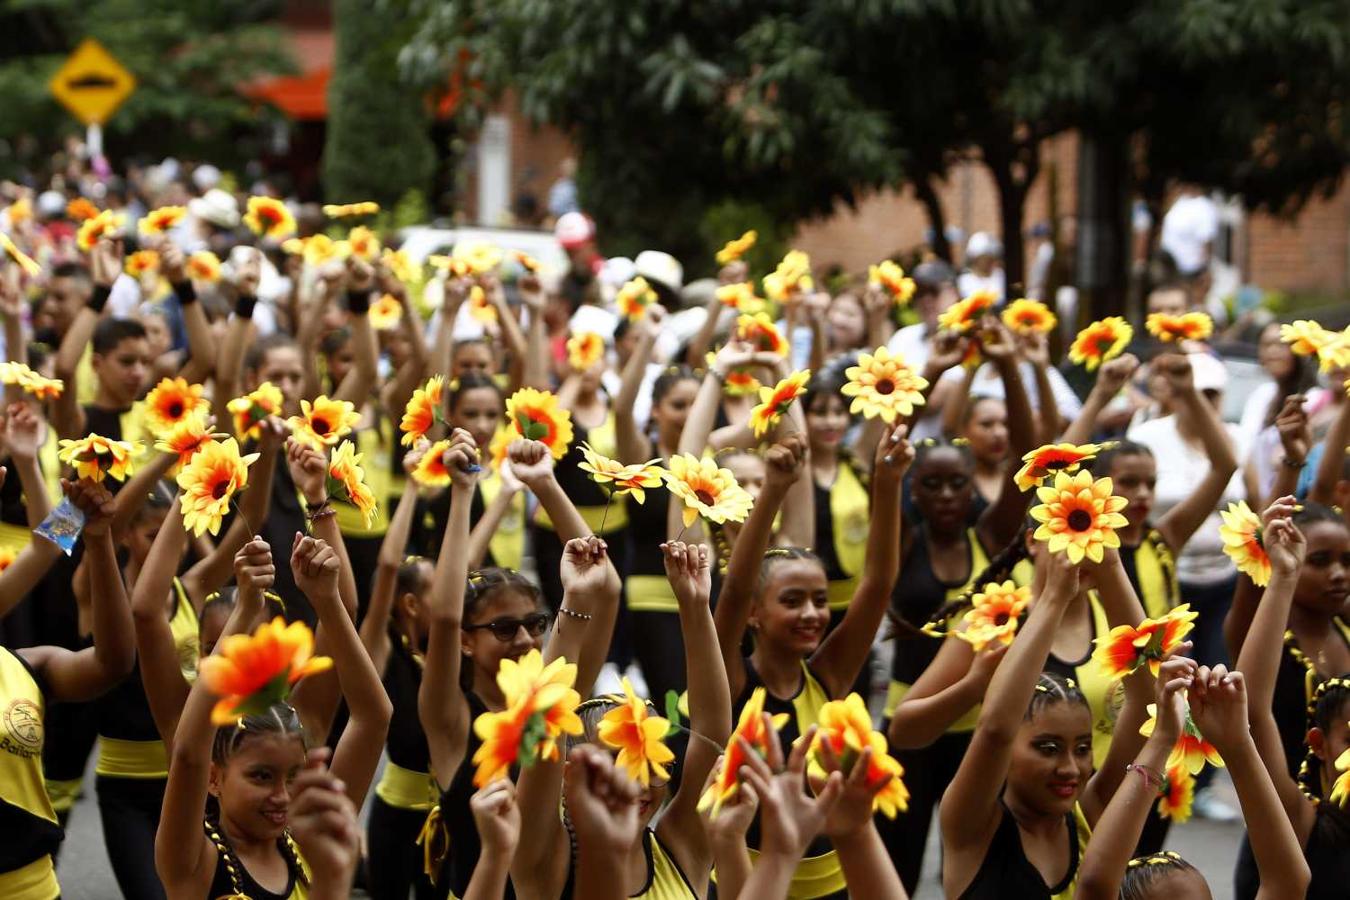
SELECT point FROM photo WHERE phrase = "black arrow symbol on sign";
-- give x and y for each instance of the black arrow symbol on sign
(91, 82)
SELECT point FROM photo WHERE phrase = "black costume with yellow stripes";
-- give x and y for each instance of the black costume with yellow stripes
(27, 820)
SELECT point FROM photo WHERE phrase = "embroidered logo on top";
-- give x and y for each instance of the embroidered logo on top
(23, 728)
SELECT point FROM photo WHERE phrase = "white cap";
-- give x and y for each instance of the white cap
(982, 243)
(205, 177)
(217, 207)
(573, 229)
(51, 203)
(1208, 372)
(657, 265)
(617, 271)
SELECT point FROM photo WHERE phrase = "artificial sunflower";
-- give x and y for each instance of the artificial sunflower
(527, 262)
(536, 416)
(584, 350)
(478, 257)
(1191, 326)
(423, 412)
(212, 476)
(385, 313)
(350, 210)
(479, 307)
(7, 557)
(1029, 317)
(1128, 647)
(185, 438)
(158, 221)
(400, 265)
(26, 262)
(639, 736)
(634, 298)
(741, 383)
(881, 384)
(95, 456)
(171, 401)
(268, 217)
(1178, 792)
(740, 297)
(1241, 535)
(706, 489)
(1340, 788)
(1051, 459)
(20, 210)
(993, 615)
(891, 278)
(1101, 341)
(634, 480)
(431, 470)
(963, 315)
(792, 276)
(363, 243)
(142, 261)
(1191, 751)
(32, 382)
(318, 249)
(775, 401)
(204, 266)
(324, 422)
(501, 443)
(734, 249)
(1079, 515)
(750, 728)
(1335, 354)
(253, 408)
(346, 479)
(106, 224)
(540, 708)
(1305, 337)
(846, 727)
(759, 330)
(250, 673)
(81, 210)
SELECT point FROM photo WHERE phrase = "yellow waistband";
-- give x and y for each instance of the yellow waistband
(839, 594)
(405, 789)
(63, 794)
(816, 876)
(131, 759)
(593, 515)
(35, 881)
(896, 692)
(651, 593)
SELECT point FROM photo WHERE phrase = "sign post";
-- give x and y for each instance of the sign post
(92, 85)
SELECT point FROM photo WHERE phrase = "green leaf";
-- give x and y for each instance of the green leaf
(531, 736)
(673, 712)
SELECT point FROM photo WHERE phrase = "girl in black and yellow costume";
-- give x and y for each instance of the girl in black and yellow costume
(1309, 565)
(478, 619)
(33, 677)
(782, 597)
(1024, 797)
(244, 848)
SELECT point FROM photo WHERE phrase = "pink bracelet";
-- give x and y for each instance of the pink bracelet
(1152, 779)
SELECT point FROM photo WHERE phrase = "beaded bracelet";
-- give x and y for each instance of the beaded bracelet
(571, 613)
(1152, 779)
(319, 510)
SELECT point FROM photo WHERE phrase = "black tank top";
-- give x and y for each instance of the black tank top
(1294, 684)
(1326, 854)
(919, 593)
(1006, 871)
(223, 885)
(432, 515)
(406, 743)
(646, 530)
(576, 484)
(284, 518)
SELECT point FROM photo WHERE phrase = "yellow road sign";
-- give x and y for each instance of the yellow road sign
(91, 83)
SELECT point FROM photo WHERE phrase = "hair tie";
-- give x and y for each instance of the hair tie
(1042, 689)
(961, 442)
(1070, 683)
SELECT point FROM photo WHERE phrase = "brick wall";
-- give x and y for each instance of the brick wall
(1310, 254)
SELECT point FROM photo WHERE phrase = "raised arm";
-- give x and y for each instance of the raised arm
(952, 685)
(1296, 440)
(533, 465)
(230, 362)
(1002, 521)
(634, 446)
(105, 263)
(1332, 463)
(24, 428)
(535, 372)
(1112, 378)
(161, 671)
(395, 394)
(1181, 521)
(453, 292)
(383, 594)
(359, 382)
(842, 654)
(201, 361)
(1036, 350)
(131, 499)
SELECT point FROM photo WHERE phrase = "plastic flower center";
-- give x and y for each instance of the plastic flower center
(705, 497)
(175, 409)
(1080, 520)
(320, 425)
(1102, 344)
(219, 490)
(885, 386)
(1056, 464)
(1001, 619)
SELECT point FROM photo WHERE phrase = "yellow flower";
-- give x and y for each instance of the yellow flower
(1178, 793)
(20, 210)
(81, 210)
(479, 257)
(1191, 751)
(348, 210)
(792, 276)
(705, 488)
(34, 383)
(158, 221)
(213, 475)
(846, 726)
(540, 708)
(185, 438)
(883, 385)
(527, 262)
(26, 262)
(399, 264)
(584, 350)
(204, 266)
(95, 456)
(639, 736)
(758, 329)
(965, 314)
(171, 401)
(1079, 516)
(269, 218)
(106, 224)
(1049, 459)
(774, 402)
(735, 249)
(250, 410)
(1340, 789)
(1335, 354)
(140, 262)
(430, 469)
(347, 478)
(1128, 647)
(363, 243)
(316, 249)
(385, 313)
(424, 410)
(1191, 326)
(1101, 341)
(740, 297)
(624, 479)
(750, 728)
(536, 416)
(892, 278)
(740, 383)
(634, 298)
(994, 613)
(501, 442)
(7, 557)
(1241, 534)
(1029, 317)
(250, 673)
(324, 422)
(1305, 337)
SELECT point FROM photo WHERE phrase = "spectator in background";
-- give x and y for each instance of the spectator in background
(984, 270)
(1042, 258)
(1188, 232)
(934, 292)
(562, 196)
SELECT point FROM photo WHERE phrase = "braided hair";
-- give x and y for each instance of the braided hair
(280, 720)
(1101, 465)
(1052, 688)
(1326, 705)
(1143, 873)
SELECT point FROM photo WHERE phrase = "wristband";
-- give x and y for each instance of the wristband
(243, 306)
(358, 302)
(1152, 779)
(1292, 463)
(570, 613)
(185, 292)
(99, 298)
(720, 376)
(319, 510)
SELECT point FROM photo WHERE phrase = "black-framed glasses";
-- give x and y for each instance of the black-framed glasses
(505, 628)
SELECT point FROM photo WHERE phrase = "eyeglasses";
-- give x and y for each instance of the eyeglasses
(505, 629)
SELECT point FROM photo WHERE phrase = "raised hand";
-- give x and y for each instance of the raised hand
(1176, 368)
(789, 815)
(734, 354)
(853, 811)
(1218, 700)
(733, 820)
(585, 567)
(1292, 424)
(602, 802)
(254, 569)
(688, 572)
(1286, 546)
(95, 501)
(273, 433)
(248, 272)
(733, 272)
(784, 461)
(23, 428)
(360, 274)
(986, 662)
(461, 458)
(895, 453)
(171, 261)
(1176, 675)
(309, 471)
(1114, 374)
(1034, 348)
(315, 565)
(996, 341)
(947, 350)
(531, 461)
(497, 816)
(105, 261)
(323, 821)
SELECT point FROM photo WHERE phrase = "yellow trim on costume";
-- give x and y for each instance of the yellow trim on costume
(1156, 569)
(667, 883)
(131, 759)
(63, 794)
(850, 506)
(407, 789)
(1104, 696)
(508, 541)
(35, 881)
(809, 700)
(376, 444)
(897, 691)
(1084, 835)
(815, 876)
(650, 593)
(839, 594)
(86, 381)
(186, 631)
(15, 537)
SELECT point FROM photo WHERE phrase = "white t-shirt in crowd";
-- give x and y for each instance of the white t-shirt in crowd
(911, 342)
(1181, 468)
(986, 383)
(968, 283)
(1188, 228)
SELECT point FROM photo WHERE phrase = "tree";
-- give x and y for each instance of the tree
(190, 59)
(378, 145)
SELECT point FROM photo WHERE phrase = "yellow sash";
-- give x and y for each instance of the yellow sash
(849, 508)
(405, 789)
(650, 593)
(131, 759)
(508, 541)
(35, 881)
